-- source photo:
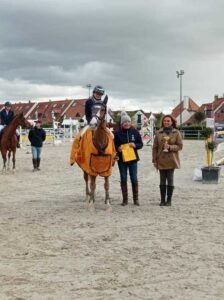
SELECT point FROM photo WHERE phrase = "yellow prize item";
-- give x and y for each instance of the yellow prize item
(209, 153)
(128, 152)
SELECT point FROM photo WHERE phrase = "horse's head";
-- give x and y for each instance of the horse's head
(98, 114)
(22, 121)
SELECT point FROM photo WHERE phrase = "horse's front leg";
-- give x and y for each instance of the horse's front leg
(4, 163)
(86, 178)
(106, 187)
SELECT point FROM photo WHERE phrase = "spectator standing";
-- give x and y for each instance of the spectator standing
(37, 136)
(166, 147)
(127, 134)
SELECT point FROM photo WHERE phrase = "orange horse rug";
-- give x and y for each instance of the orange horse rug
(85, 154)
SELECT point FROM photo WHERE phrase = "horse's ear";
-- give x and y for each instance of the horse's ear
(105, 100)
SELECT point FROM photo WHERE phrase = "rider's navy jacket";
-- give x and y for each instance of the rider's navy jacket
(124, 136)
(6, 118)
(88, 107)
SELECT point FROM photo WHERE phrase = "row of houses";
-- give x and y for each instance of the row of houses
(49, 110)
(68, 109)
(74, 109)
(189, 110)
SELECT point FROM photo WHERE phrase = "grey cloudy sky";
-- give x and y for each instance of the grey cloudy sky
(50, 49)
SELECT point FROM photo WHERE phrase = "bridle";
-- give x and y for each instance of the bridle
(97, 114)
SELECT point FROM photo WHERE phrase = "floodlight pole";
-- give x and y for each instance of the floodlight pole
(53, 118)
(89, 87)
(179, 75)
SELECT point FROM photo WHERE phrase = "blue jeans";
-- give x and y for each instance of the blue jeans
(36, 152)
(133, 171)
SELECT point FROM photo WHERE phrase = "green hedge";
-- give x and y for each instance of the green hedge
(192, 127)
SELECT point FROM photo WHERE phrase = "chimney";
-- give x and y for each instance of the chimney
(186, 102)
(216, 97)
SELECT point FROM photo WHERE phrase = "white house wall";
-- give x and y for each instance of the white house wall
(185, 116)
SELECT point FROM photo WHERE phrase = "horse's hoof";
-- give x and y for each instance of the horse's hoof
(107, 201)
(109, 208)
(91, 207)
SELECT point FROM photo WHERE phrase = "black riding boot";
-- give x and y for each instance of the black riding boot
(135, 193)
(163, 195)
(169, 194)
(124, 189)
(18, 141)
(34, 164)
(38, 164)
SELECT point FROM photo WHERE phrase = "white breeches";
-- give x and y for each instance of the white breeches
(3, 126)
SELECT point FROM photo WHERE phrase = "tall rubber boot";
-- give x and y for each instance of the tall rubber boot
(163, 195)
(38, 164)
(169, 194)
(124, 189)
(34, 164)
(135, 193)
(18, 141)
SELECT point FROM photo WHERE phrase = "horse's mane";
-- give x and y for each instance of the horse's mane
(100, 134)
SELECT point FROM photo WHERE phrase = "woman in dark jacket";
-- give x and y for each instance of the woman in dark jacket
(127, 134)
(37, 136)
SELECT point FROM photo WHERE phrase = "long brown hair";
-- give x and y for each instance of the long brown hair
(174, 122)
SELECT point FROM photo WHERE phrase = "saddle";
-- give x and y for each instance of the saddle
(100, 163)
(85, 154)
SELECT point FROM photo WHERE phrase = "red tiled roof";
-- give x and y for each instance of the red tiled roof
(44, 110)
(216, 106)
(76, 110)
(192, 106)
(19, 107)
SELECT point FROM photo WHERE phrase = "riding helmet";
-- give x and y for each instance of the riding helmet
(7, 103)
(98, 89)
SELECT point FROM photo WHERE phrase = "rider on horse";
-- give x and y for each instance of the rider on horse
(7, 116)
(95, 99)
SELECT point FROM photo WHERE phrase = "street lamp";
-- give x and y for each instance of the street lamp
(89, 87)
(53, 118)
(71, 123)
(36, 115)
(179, 75)
(152, 120)
(64, 118)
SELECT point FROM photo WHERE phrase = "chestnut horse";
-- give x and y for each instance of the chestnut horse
(8, 140)
(102, 140)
